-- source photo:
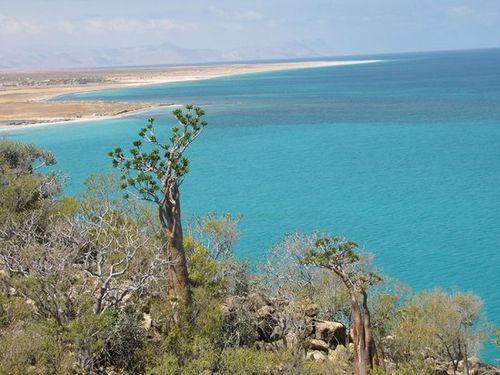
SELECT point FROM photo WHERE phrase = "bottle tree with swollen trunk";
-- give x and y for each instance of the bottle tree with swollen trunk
(339, 255)
(154, 171)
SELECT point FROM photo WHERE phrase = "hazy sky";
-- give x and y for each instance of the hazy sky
(233, 29)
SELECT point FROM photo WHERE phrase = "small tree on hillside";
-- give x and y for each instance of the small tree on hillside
(453, 321)
(339, 255)
(21, 158)
(25, 193)
(218, 233)
(156, 174)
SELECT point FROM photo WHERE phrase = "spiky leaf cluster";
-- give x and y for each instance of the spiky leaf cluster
(152, 170)
(333, 250)
(342, 254)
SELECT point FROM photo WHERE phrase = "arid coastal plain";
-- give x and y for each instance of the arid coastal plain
(25, 95)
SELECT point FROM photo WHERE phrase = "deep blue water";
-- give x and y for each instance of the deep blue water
(402, 156)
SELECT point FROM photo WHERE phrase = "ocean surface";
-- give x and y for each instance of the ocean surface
(402, 156)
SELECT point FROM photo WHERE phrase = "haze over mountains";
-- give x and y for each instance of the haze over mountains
(88, 33)
(153, 54)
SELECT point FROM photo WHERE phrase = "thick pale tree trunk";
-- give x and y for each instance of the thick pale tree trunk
(179, 290)
(360, 354)
(369, 341)
(365, 352)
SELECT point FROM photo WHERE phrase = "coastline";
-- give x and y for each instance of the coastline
(34, 125)
(27, 107)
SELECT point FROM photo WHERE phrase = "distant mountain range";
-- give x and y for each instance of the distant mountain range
(160, 54)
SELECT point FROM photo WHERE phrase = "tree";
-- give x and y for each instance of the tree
(339, 255)
(104, 253)
(156, 175)
(285, 276)
(386, 301)
(22, 187)
(19, 158)
(79, 271)
(447, 327)
(218, 233)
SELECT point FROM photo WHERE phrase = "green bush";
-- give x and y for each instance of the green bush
(378, 371)
(168, 364)
(33, 348)
(243, 361)
(203, 270)
(112, 339)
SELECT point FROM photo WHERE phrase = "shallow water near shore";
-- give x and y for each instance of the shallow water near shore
(402, 156)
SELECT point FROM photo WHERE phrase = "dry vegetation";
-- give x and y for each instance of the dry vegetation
(88, 285)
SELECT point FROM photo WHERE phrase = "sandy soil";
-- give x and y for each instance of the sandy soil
(24, 95)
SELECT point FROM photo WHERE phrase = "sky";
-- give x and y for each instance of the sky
(75, 33)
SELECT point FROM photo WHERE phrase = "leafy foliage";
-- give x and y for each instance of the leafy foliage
(82, 285)
(149, 170)
(252, 362)
(447, 326)
(218, 232)
(22, 187)
(340, 253)
(20, 158)
(112, 339)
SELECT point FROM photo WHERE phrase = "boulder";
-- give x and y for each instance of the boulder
(316, 355)
(334, 333)
(476, 367)
(485, 368)
(267, 325)
(316, 344)
(473, 363)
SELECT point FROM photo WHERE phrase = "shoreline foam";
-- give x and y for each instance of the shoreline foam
(137, 79)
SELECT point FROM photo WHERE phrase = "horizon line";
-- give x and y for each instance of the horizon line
(236, 62)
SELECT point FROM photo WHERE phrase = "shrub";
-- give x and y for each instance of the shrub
(112, 339)
(33, 348)
(252, 361)
(168, 364)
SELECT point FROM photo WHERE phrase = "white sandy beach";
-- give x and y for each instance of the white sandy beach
(22, 107)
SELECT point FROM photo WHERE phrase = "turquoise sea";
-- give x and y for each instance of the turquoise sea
(402, 155)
